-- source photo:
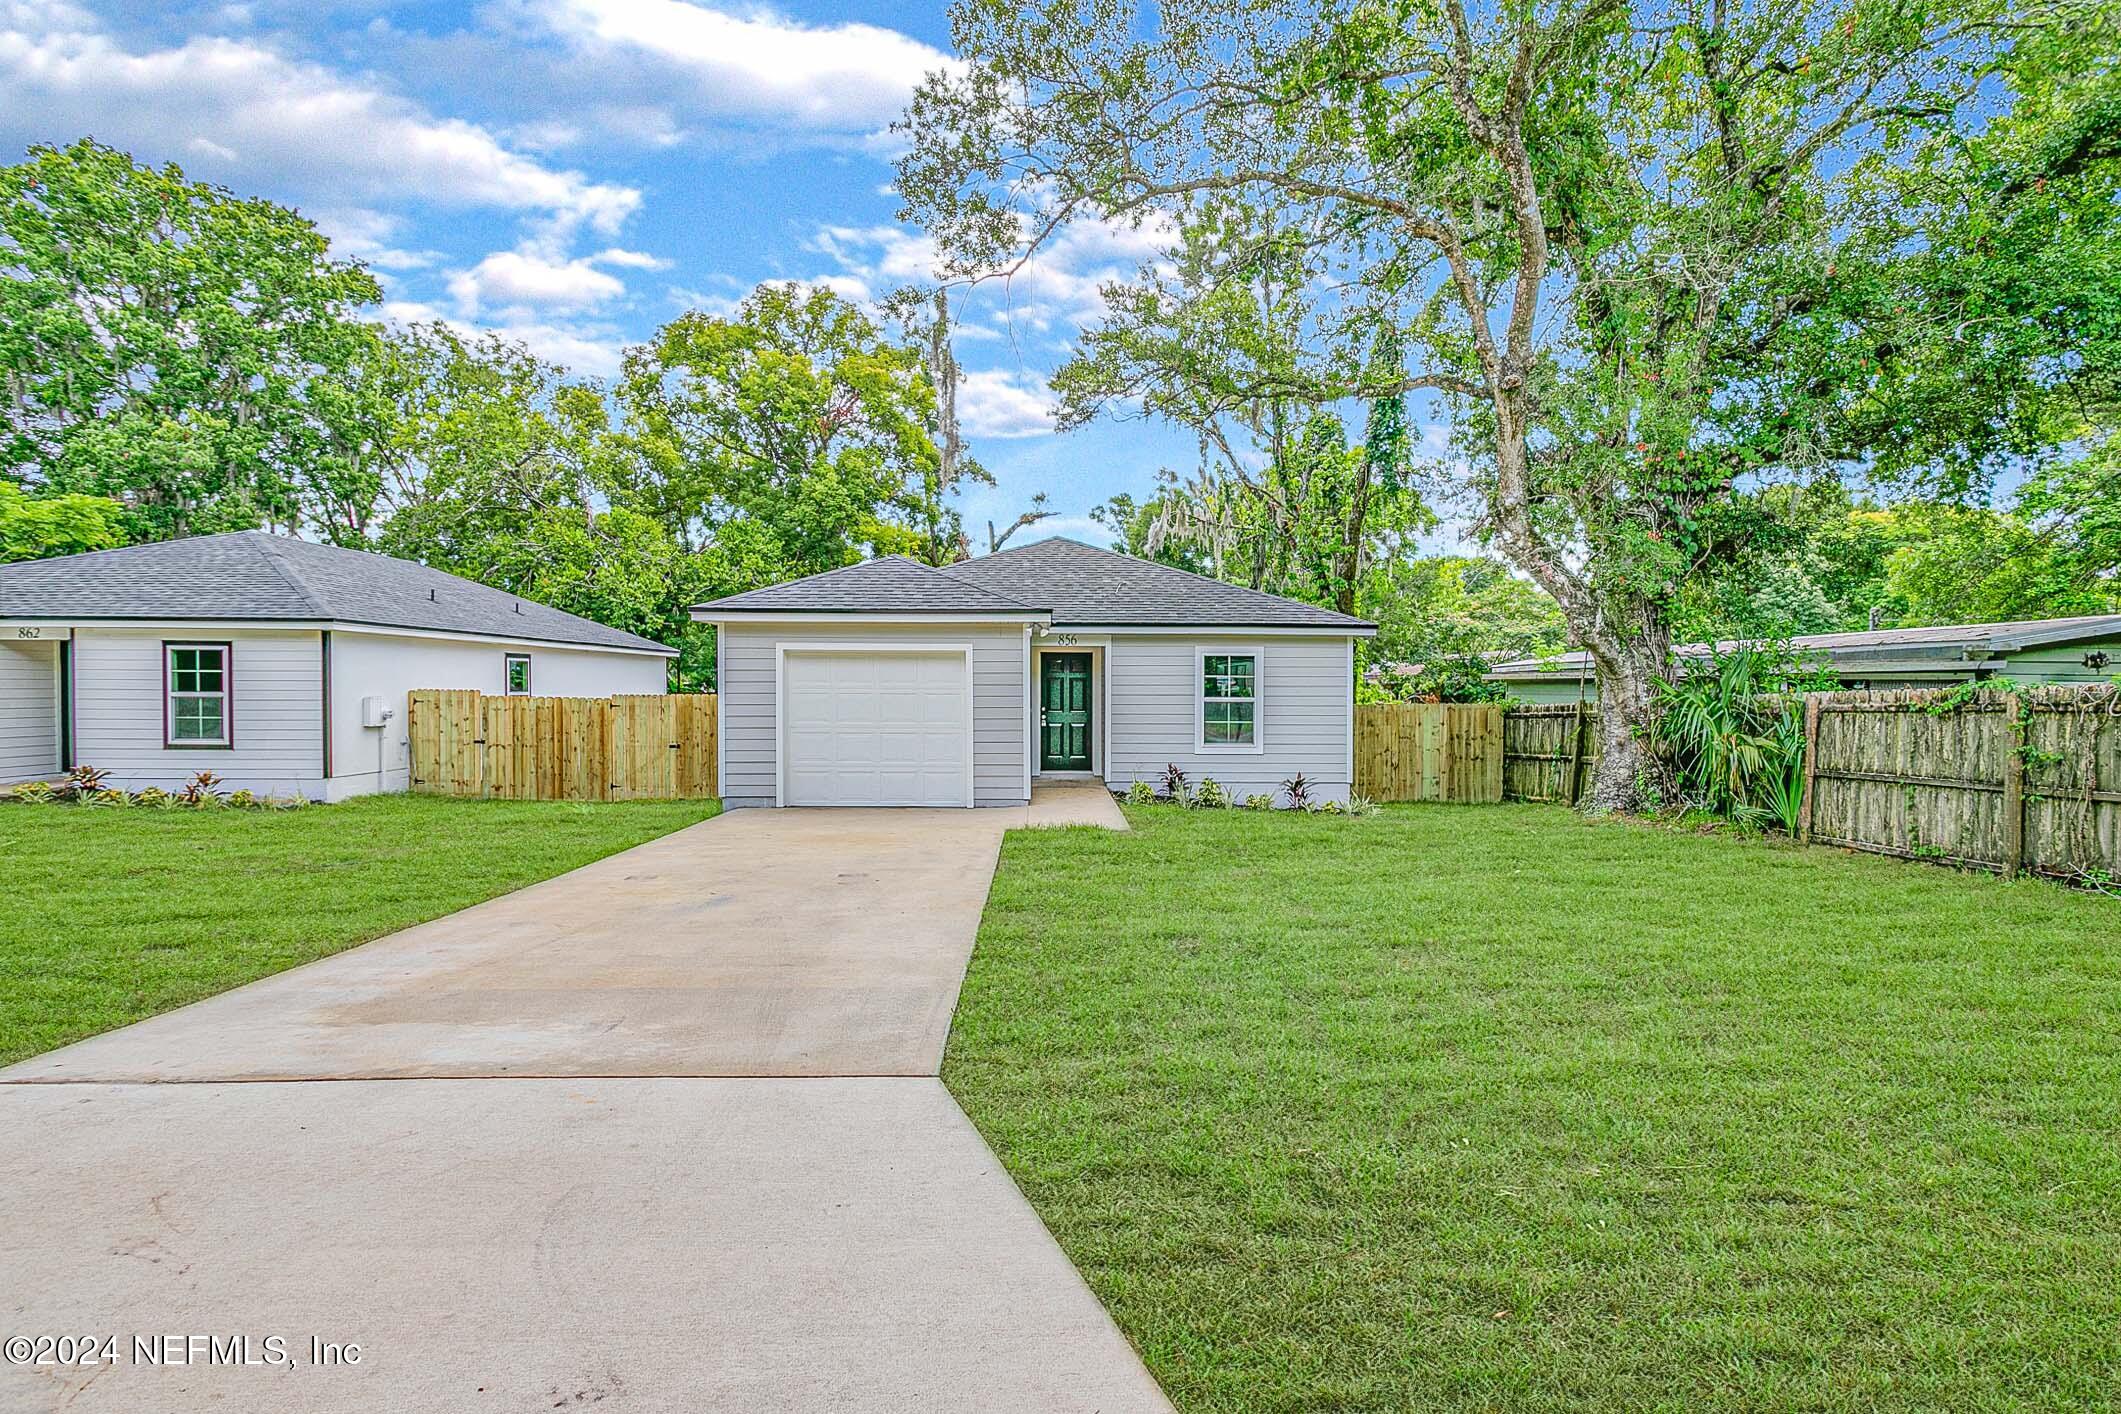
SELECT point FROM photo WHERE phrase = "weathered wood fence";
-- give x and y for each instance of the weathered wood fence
(1549, 752)
(646, 747)
(1429, 751)
(2009, 781)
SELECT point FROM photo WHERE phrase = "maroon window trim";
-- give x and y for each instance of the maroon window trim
(228, 696)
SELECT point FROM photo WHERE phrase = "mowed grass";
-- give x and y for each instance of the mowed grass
(1500, 1109)
(116, 914)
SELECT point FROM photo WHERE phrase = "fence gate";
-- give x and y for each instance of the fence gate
(634, 747)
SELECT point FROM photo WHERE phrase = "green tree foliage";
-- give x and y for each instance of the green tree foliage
(34, 527)
(786, 439)
(168, 344)
(1586, 225)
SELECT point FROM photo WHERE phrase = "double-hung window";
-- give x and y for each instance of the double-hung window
(517, 674)
(196, 710)
(1229, 701)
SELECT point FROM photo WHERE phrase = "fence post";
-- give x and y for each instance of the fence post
(2014, 725)
(1811, 766)
(1569, 787)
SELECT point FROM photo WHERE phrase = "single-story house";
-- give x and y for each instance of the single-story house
(279, 665)
(2079, 650)
(897, 683)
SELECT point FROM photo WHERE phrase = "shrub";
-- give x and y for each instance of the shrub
(33, 793)
(1141, 793)
(243, 799)
(1259, 802)
(1361, 805)
(1733, 732)
(201, 791)
(153, 797)
(1298, 789)
(107, 796)
(294, 801)
(1212, 796)
(81, 783)
(1176, 789)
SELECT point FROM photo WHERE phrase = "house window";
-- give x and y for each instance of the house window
(196, 677)
(518, 675)
(1229, 701)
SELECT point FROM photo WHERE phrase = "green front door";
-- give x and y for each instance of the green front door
(1064, 712)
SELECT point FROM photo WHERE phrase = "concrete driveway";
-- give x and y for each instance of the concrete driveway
(662, 1133)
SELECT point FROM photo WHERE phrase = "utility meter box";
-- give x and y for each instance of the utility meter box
(375, 711)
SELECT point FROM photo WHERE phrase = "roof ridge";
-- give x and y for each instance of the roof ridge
(1174, 569)
(268, 547)
(981, 589)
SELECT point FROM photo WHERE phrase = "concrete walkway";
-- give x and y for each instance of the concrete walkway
(505, 1154)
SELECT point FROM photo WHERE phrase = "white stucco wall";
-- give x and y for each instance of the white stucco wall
(277, 710)
(366, 759)
(746, 685)
(29, 711)
(1306, 696)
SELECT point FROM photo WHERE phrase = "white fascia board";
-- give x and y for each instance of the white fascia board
(1211, 631)
(783, 617)
(336, 626)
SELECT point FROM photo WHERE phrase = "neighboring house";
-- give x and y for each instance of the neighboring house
(2034, 651)
(277, 664)
(895, 683)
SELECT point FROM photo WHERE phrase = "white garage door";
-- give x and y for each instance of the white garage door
(874, 729)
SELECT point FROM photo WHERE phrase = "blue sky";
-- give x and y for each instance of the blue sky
(574, 173)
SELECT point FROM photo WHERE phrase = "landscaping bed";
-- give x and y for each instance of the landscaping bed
(116, 913)
(1500, 1108)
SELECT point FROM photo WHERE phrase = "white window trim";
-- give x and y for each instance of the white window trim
(170, 694)
(508, 688)
(1202, 652)
(782, 648)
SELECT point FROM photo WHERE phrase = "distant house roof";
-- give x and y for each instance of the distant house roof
(250, 576)
(1942, 644)
(1066, 580)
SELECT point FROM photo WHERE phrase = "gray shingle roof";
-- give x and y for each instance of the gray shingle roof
(1995, 638)
(893, 584)
(1074, 582)
(250, 575)
(1082, 584)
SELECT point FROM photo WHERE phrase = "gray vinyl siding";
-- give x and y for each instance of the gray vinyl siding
(29, 711)
(277, 711)
(746, 688)
(1306, 689)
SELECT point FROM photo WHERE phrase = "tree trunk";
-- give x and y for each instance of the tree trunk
(1629, 774)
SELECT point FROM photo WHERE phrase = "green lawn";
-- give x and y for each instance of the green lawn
(1499, 1109)
(114, 914)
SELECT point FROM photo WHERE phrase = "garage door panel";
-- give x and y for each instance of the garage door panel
(874, 729)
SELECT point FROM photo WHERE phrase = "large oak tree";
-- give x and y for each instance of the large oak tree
(1598, 231)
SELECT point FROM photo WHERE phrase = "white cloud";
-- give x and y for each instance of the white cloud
(995, 402)
(527, 278)
(758, 65)
(371, 237)
(593, 351)
(1057, 290)
(267, 118)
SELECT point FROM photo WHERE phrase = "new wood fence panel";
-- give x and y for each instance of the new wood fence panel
(1407, 751)
(645, 747)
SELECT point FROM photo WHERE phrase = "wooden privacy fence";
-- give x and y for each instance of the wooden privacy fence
(1549, 752)
(1444, 751)
(2009, 781)
(647, 747)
